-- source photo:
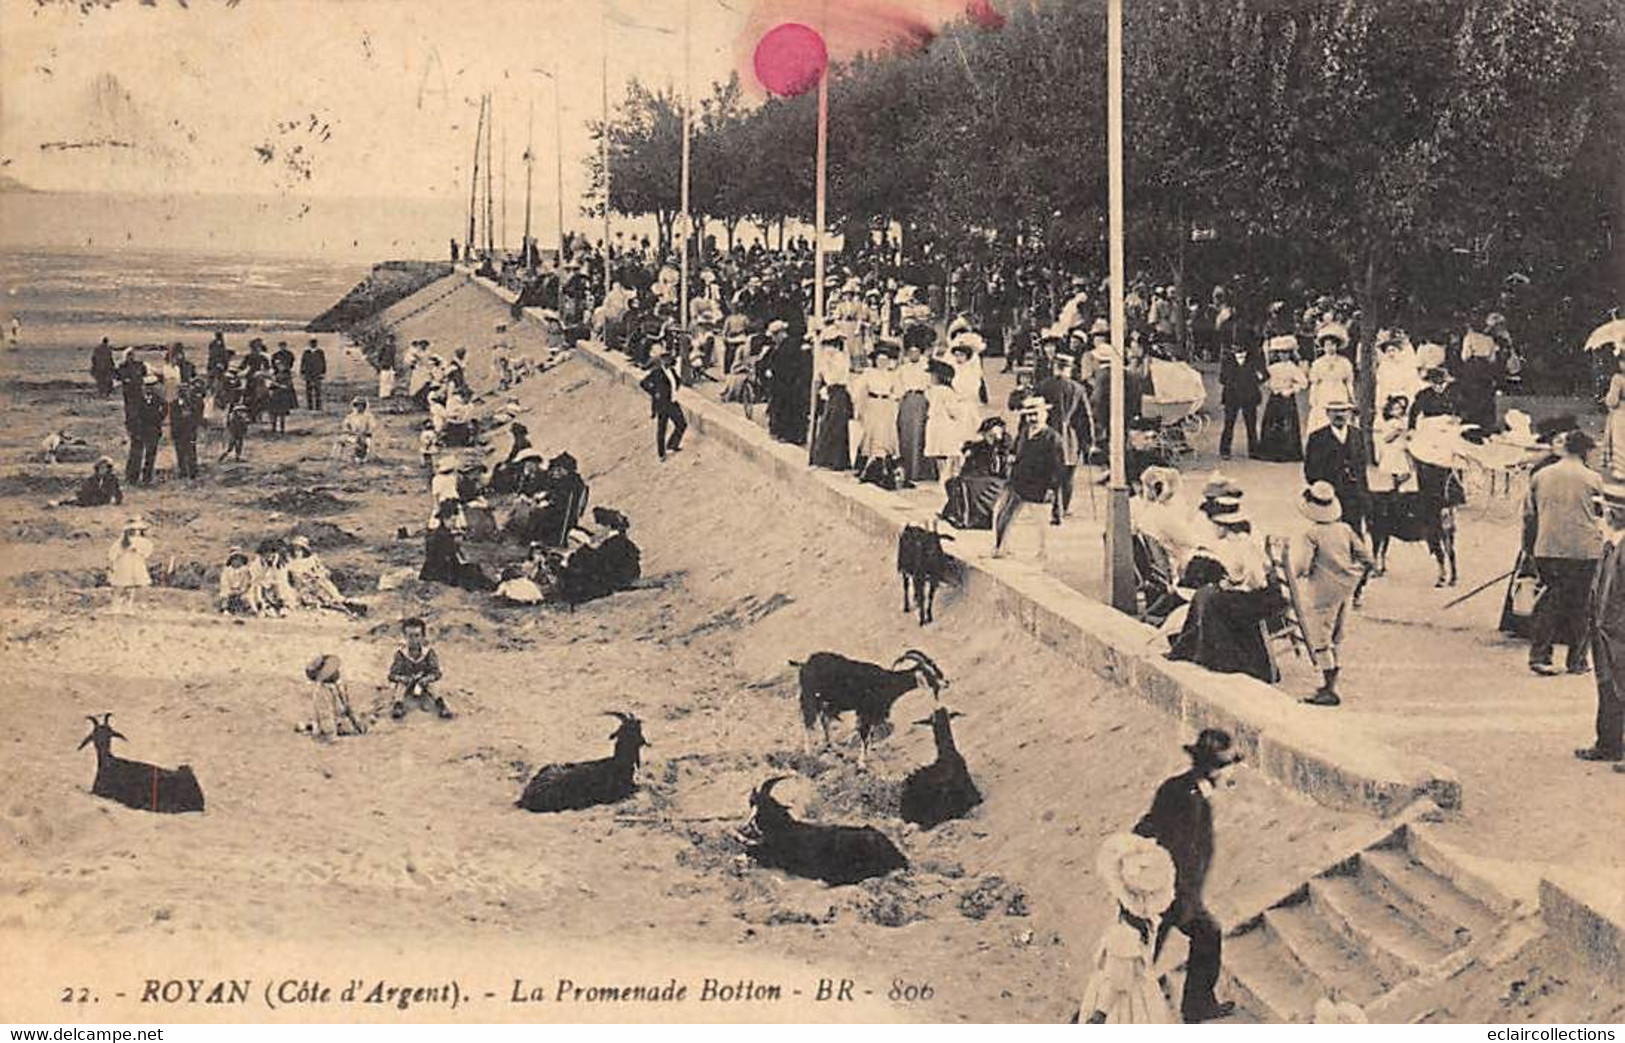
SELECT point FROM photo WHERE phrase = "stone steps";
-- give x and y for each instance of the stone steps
(1373, 930)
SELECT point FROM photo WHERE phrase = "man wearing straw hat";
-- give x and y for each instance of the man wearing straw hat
(1331, 561)
(1336, 454)
(1035, 473)
(1607, 624)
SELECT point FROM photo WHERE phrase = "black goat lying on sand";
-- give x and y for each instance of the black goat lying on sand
(145, 787)
(833, 854)
(942, 789)
(832, 684)
(569, 787)
(921, 562)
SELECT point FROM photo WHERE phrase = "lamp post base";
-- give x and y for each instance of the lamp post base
(1120, 583)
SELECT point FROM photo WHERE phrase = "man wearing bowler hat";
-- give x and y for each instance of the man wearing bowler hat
(1181, 820)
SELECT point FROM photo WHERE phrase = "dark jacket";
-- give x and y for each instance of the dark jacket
(1181, 820)
(660, 385)
(1433, 403)
(313, 363)
(1342, 463)
(101, 361)
(98, 490)
(1241, 378)
(1068, 414)
(147, 422)
(1038, 464)
(184, 417)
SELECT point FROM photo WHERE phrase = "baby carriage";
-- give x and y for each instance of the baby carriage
(1174, 400)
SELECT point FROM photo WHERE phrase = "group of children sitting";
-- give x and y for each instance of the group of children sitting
(281, 576)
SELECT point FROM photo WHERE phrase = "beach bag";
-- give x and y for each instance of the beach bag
(1526, 594)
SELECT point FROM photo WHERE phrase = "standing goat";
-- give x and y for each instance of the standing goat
(942, 789)
(145, 787)
(833, 854)
(570, 787)
(922, 561)
(833, 684)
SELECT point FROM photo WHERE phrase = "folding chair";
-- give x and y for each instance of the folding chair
(1286, 624)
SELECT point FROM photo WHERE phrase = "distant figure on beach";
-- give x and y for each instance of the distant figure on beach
(313, 368)
(282, 398)
(360, 428)
(219, 356)
(236, 429)
(102, 370)
(185, 417)
(98, 490)
(15, 337)
(386, 369)
(146, 431)
(454, 251)
(127, 562)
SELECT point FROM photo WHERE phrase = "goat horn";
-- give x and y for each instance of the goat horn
(766, 788)
(624, 718)
(924, 661)
(93, 721)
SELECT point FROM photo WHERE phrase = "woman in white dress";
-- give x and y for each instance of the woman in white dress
(127, 569)
(945, 420)
(1331, 377)
(878, 393)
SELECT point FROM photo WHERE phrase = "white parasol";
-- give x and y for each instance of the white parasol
(1610, 334)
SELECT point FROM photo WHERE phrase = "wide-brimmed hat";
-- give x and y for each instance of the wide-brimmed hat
(1034, 404)
(236, 552)
(1338, 404)
(1219, 485)
(1333, 331)
(889, 349)
(1100, 328)
(1159, 483)
(150, 379)
(1437, 373)
(1052, 333)
(1286, 342)
(1226, 510)
(300, 542)
(1319, 503)
(527, 453)
(989, 424)
(1213, 747)
(136, 524)
(1138, 872)
(776, 325)
(104, 461)
(960, 325)
(323, 669)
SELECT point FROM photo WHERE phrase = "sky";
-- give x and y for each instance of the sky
(368, 98)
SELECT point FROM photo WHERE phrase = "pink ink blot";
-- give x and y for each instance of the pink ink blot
(984, 15)
(790, 58)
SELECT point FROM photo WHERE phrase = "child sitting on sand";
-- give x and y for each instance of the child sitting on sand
(414, 671)
(98, 490)
(272, 589)
(127, 562)
(238, 596)
(360, 428)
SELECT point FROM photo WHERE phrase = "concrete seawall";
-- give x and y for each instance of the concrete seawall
(1292, 744)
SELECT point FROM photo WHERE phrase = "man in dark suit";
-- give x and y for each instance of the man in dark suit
(313, 367)
(1336, 453)
(146, 431)
(1068, 417)
(661, 386)
(185, 415)
(1181, 820)
(1241, 382)
(1608, 631)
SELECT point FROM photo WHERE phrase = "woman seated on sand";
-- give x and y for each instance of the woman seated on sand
(443, 554)
(313, 584)
(98, 490)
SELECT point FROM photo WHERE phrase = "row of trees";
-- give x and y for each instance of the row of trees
(1356, 139)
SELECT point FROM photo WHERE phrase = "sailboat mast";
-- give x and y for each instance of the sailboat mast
(474, 179)
(490, 231)
(530, 162)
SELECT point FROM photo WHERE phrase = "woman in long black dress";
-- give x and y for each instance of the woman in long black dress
(1280, 436)
(443, 556)
(832, 447)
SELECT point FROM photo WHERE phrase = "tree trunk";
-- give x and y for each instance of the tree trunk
(663, 225)
(729, 224)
